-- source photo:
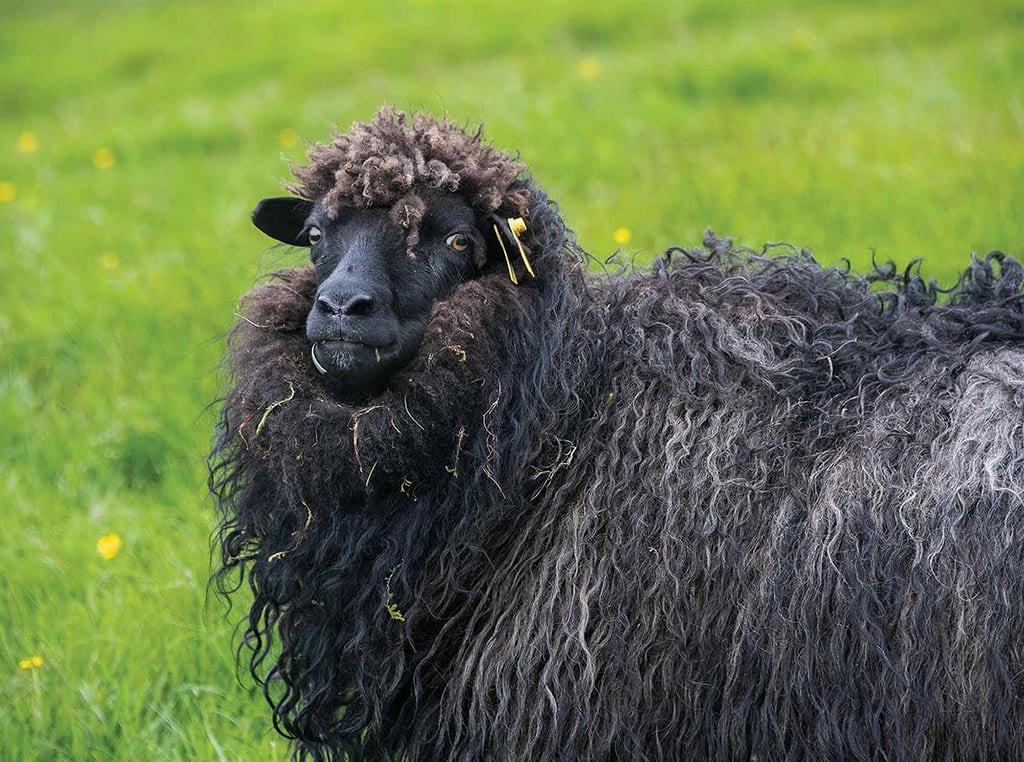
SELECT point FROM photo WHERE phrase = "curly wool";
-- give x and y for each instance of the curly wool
(381, 163)
(733, 506)
(736, 506)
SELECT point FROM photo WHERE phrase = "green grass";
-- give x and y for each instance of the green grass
(850, 127)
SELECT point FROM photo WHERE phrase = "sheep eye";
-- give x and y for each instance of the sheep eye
(458, 241)
(314, 235)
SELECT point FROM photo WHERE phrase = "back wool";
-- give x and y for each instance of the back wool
(733, 506)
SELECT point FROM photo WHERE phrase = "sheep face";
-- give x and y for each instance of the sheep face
(375, 289)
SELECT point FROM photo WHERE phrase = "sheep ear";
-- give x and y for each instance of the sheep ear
(506, 232)
(283, 219)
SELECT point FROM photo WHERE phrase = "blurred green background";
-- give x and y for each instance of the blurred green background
(136, 136)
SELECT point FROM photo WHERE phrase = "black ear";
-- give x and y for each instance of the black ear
(284, 219)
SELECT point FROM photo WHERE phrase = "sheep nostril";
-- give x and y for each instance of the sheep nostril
(358, 305)
(324, 304)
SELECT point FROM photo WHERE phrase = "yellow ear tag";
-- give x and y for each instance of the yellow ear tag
(518, 225)
(511, 272)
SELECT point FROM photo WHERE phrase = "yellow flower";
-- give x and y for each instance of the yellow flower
(32, 662)
(622, 236)
(288, 138)
(7, 192)
(108, 260)
(108, 545)
(28, 142)
(589, 67)
(103, 158)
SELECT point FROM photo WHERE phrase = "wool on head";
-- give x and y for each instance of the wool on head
(734, 505)
(384, 161)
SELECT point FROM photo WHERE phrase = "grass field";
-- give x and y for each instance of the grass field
(136, 136)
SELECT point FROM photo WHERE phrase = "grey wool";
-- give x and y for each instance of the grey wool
(734, 505)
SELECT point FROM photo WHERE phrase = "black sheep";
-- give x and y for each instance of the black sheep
(736, 506)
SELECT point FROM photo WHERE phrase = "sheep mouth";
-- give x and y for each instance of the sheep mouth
(355, 366)
(330, 357)
(363, 363)
(351, 342)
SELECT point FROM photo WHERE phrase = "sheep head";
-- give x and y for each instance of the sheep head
(397, 213)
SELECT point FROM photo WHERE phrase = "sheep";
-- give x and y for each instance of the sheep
(736, 505)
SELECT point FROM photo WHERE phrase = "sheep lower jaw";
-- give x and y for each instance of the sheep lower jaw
(357, 366)
(345, 354)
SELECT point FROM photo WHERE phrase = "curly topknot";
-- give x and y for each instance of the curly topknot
(380, 163)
